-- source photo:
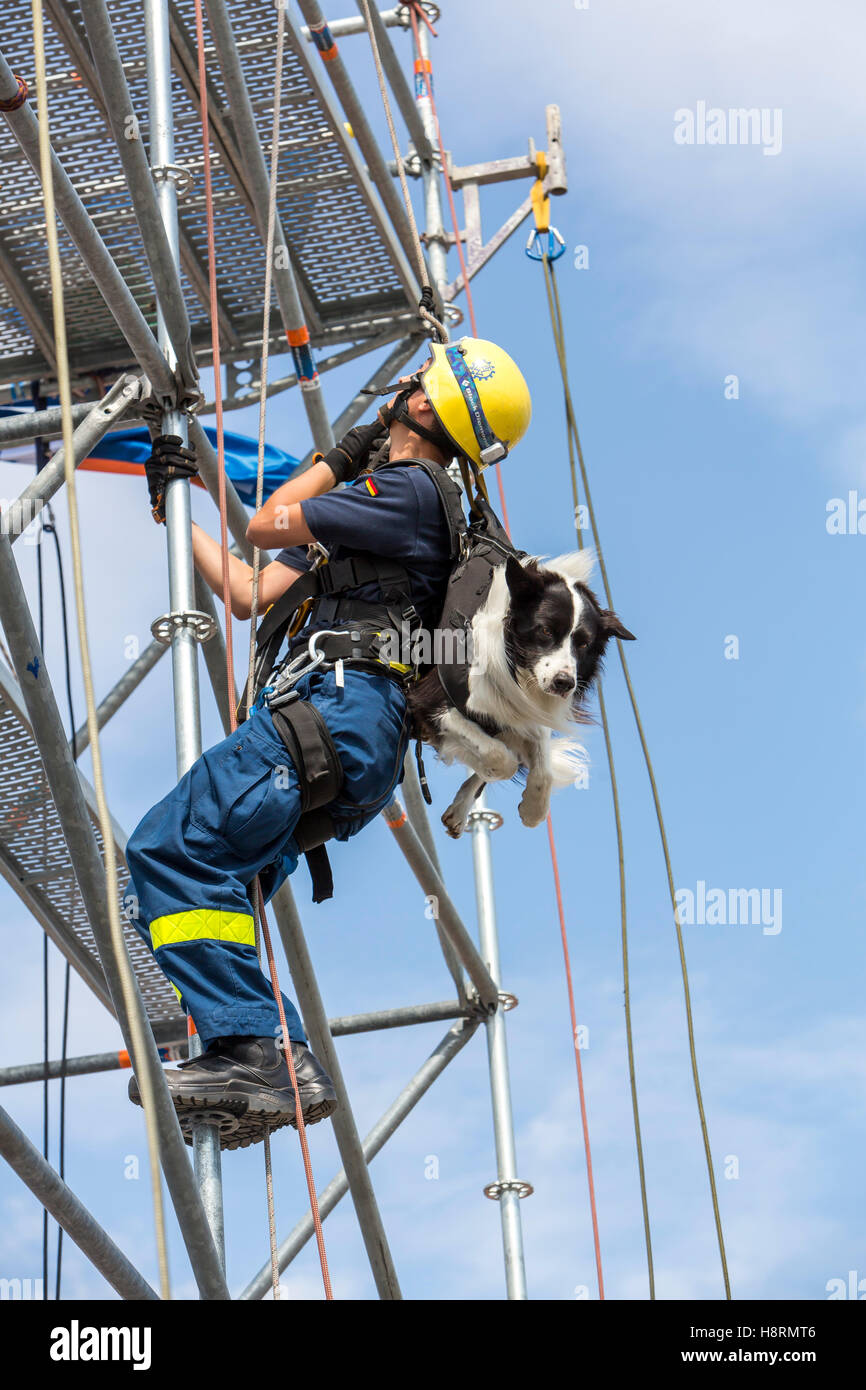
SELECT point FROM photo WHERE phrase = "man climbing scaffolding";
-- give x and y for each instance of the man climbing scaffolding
(322, 749)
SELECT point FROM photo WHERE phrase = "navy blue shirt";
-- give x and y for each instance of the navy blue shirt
(398, 516)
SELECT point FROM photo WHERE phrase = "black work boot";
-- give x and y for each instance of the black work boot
(242, 1085)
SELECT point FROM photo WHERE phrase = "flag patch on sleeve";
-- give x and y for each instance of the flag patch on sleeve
(372, 488)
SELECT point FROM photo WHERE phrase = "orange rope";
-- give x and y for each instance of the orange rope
(583, 1115)
(427, 69)
(215, 346)
(302, 1131)
(230, 676)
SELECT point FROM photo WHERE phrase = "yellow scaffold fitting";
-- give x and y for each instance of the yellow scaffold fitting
(543, 240)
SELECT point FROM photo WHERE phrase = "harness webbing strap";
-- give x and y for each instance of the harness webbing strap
(320, 778)
(336, 576)
(305, 734)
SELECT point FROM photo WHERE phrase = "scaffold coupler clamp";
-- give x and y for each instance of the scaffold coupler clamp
(504, 1001)
(187, 398)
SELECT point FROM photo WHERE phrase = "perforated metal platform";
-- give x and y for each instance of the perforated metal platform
(352, 276)
(34, 860)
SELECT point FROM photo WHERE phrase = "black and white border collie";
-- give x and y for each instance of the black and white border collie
(537, 645)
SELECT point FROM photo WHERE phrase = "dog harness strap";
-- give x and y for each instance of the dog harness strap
(488, 547)
(450, 495)
(320, 778)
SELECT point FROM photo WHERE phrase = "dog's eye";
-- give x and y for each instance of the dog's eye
(542, 630)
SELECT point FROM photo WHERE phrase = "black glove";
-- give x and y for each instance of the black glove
(169, 459)
(350, 457)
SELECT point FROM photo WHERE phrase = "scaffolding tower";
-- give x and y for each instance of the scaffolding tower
(123, 85)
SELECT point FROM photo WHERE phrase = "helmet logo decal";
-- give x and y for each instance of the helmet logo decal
(482, 368)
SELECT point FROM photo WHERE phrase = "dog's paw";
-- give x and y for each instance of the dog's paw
(534, 806)
(499, 765)
(454, 820)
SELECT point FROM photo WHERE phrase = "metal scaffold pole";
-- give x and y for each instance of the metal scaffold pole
(181, 578)
(508, 1188)
(436, 240)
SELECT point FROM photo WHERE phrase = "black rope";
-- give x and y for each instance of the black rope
(51, 528)
(40, 459)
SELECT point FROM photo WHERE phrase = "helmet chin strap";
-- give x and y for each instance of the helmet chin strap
(398, 411)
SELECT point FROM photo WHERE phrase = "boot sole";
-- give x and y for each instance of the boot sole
(319, 1110)
(244, 1117)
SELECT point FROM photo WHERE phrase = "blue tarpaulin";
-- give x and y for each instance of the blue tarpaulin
(242, 453)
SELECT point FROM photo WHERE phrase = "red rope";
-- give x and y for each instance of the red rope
(578, 1062)
(217, 365)
(414, 10)
(230, 675)
(302, 1131)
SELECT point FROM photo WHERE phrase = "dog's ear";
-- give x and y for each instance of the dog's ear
(522, 580)
(614, 628)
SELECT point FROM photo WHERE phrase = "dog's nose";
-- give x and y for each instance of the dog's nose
(562, 684)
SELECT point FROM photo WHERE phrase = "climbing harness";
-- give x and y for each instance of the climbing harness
(362, 642)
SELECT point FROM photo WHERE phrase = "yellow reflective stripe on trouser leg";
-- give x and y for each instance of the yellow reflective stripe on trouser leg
(203, 924)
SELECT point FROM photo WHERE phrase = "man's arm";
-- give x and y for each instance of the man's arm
(280, 521)
(274, 579)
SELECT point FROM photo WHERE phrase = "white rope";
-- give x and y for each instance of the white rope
(260, 483)
(121, 958)
(266, 332)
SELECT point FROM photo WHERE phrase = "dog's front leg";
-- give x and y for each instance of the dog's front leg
(535, 802)
(454, 819)
(487, 756)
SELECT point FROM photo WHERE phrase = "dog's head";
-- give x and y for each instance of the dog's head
(556, 631)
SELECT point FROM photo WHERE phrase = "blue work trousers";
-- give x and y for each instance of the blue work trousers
(194, 856)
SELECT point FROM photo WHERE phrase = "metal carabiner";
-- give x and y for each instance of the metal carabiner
(535, 249)
(283, 688)
(313, 652)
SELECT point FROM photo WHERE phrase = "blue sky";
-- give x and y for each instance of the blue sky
(704, 261)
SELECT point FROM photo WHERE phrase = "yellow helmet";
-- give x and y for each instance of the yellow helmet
(478, 395)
